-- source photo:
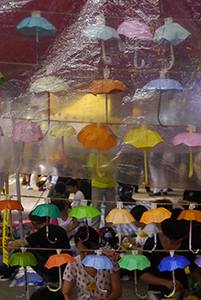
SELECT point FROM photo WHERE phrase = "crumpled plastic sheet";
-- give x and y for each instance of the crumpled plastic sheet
(78, 60)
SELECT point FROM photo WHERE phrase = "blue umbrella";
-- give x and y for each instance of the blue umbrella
(98, 262)
(159, 86)
(36, 25)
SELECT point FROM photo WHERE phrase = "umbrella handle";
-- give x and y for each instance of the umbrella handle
(48, 114)
(174, 286)
(98, 165)
(145, 168)
(47, 231)
(155, 239)
(190, 174)
(158, 110)
(141, 66)
(171, 62)
(26, 284)
(60, 283)
(190, 239)
(106, 59)
(136, 292)
(119, 233)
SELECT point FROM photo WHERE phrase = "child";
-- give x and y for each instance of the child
(68, 223)
(72, 186)
(91, 283)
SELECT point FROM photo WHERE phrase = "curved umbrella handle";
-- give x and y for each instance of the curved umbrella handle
(158, 110)
(25, 283)
(190, 240)
(145, 168)
(171, 62)
(141, 66)
(190, 174)
(47, 231)
(106, 59)
(60, 283)
(136, 292)
(174, 286)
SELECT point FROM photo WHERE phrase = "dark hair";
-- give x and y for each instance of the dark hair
(108, 236)
(161, 203)
(44, 293)
(72, 182)
(138, 211)
(175, 229)
(60, 203)
(36, 218)
(60, 187)
(92, 242)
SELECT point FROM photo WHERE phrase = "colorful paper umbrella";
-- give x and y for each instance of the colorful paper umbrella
(80, 212)
(63, 131)
(57, 260)
(155, 215)
(27, 132)
(100, 31)
(134, 261)
(191, 139)
(191, 215)
(171, 263)
(98, 262)
(49, 84)
(47, 210)
(198, 261)
(160, 86)
(36, 25)
(106, 86)
(119, 216)
(138, 31)
(96, 137)
(23, 259)
(143, 139)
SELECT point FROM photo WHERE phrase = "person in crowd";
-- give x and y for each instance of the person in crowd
(56, 239)
(44, 293)
(174, 236)
(68, 223)
(143, 231)
(72, 185)
(59, 188)
(90, 282)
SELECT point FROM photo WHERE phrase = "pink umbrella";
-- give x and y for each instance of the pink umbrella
(27, 132)
(138, 31)
(191, 139)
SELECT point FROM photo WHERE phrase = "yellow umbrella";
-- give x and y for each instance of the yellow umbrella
(63, 131)
(143, 139)
(119, 216)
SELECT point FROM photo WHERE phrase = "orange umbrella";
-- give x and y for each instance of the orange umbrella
(155, 215)
(11, 205)
(106, 86)
(191, 215)
(57, 260)
(119, 216)
(96, 137)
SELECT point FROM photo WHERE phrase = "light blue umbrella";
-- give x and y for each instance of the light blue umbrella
(159, 86)
(36, 25)
(98, 262)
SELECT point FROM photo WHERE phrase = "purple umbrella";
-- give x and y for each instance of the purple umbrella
(138, 31)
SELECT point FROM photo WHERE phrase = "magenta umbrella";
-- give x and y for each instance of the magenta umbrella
(27, 132)
(191, 139)
(138, 31)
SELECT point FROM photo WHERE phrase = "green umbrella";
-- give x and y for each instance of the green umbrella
(80, 212)
(134, 261)
(23, 259)
(47, 210)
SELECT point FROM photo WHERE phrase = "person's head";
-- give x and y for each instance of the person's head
(60, 188)
(137, 212)
(44, 293)
(37, 222)
(86, 238)
(61, 204)
(72, 185)
(164, 203)
(175, 230)
(108, 237)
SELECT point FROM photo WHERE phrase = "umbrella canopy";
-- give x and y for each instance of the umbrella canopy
(95, 137)
(191, 139)
(36, 25)
(156, 215)
(138, 31)
(27, 132)
(11, 205)
(143, 139)
(63, 130)
(171, 33)
(171, 263)
(134, 262)
(57, 260)
(101, 32)
(51, 84)
(47, 210)
(198, 261)
(105, 86)
(22, 259)
(162, 84)
(98, 262)
(119, 216)
(80, 212)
